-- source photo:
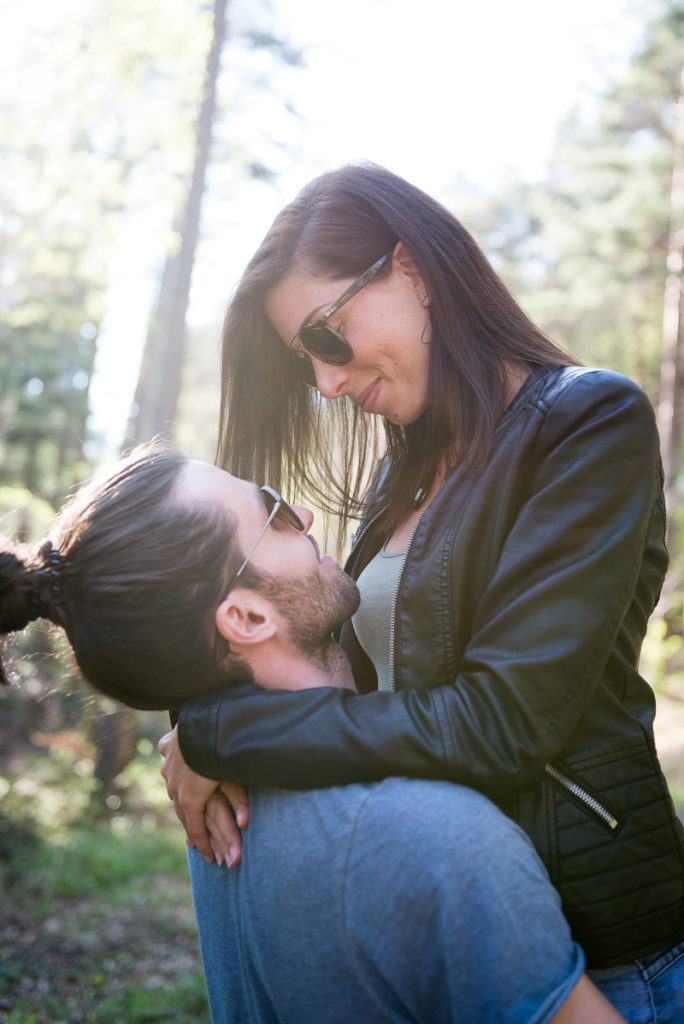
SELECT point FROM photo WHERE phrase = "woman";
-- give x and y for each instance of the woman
(524, 493)
(139, 570)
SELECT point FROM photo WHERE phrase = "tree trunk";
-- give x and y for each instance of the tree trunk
(114, 737)
(159, 382)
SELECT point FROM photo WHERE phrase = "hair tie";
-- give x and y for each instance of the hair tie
(48, 576)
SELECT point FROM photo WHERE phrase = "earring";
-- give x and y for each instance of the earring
(422, 298)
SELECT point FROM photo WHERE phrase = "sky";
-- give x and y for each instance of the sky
(436, 91)
(433, 88)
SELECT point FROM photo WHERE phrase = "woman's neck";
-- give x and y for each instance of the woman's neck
(516, 375)
(401, 535)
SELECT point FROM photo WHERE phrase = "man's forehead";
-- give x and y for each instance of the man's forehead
(204, 482)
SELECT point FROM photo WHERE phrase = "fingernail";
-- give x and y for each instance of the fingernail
(230, 859)
(219, 859)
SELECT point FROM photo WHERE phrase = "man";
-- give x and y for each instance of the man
(403, 900)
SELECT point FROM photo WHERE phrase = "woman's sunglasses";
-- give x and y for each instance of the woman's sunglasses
(324, 342)
(277, 508)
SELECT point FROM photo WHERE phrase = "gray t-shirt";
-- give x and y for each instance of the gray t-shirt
(403, 901)
(378, 586)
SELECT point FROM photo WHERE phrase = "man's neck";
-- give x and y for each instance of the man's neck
(294, 670)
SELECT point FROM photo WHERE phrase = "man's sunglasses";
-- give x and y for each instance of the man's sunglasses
(324, 342)
(277, 508)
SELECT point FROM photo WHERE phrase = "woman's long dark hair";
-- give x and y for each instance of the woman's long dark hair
(273, 429)
(133, 576)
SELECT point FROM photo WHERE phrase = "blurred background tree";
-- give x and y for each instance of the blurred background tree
(135, 106)
(118, 114)
(590, 250)
(160, 123)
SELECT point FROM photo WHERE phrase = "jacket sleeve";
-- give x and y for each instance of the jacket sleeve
(557, 594)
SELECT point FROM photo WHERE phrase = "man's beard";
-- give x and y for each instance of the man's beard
(314, 606)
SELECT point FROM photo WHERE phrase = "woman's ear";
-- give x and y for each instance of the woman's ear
(402, 260)
(245, 619)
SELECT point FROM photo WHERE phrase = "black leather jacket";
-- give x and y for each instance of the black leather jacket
(518, 621)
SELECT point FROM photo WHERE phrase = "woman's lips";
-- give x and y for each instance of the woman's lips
(369, 397)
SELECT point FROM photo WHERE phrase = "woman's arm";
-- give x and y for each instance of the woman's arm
(565, 580)
(212, 813)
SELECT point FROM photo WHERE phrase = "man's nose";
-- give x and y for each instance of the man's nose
(331, 380)
(306, 516)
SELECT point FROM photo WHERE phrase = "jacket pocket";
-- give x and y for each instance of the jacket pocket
(622, 887)
(578, 792)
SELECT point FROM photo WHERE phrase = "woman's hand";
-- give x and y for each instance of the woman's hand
(190, 794)
(226, 806)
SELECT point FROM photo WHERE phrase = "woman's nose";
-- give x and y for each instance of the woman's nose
(331, 381)
(306, 516)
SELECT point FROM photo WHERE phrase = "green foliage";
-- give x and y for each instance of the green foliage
(99, 860)
(585, 249)
(138, 1005)
(44, 399)
(97, 922)
(662, 657)
(58, 794)
(96, 126)
(22, 515)
(100, 126)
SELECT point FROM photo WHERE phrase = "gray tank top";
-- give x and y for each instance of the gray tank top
(378, 585)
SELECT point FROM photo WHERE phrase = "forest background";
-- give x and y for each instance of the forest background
(130, 163)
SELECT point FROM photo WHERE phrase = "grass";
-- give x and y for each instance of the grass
(97, 924)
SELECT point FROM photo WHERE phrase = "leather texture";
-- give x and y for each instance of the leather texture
(518, 623)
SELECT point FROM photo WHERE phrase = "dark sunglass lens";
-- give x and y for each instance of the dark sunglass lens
(270, 498)
(289, 516)
(285, 513)
(325, 345)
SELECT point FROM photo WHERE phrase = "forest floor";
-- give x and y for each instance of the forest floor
(86, 960)
(97, 925)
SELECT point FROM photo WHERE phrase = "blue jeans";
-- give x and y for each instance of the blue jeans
(403, 901)
(649, 991)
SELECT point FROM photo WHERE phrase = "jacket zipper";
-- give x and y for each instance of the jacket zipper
(393, 611)
(581, 794)
(357, 538)
(565, 781)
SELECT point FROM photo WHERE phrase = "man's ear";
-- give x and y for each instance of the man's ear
(402, 259)
(245, 618)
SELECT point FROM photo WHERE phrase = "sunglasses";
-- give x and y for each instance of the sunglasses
(277, 508)
(324, 342)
